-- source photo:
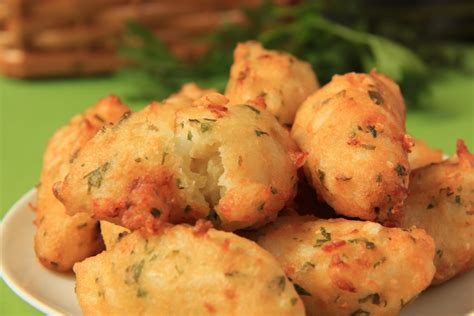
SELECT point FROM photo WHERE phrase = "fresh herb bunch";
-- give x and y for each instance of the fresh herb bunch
(309, 31)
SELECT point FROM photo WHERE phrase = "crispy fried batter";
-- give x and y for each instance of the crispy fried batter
(354, 131)
(183, 273)
(345, 267)
(271, 80)
(63, 240)
(441, 201)
(422, 155)
(178, 163)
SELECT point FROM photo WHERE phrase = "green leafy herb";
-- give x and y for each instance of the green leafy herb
(260, 133)
(321, 175)
(457, 199)
(368, 244)
(300, 290)
(179, 184)
(439, 253)
(252, 108)
(95, 177)
(278, 283)
(141, 293)
(326, 237)
(205, 127)
(379, 178)
(307, 266)
(376, 97)
(368, 146)
(373, 297)
(293, 301)
(360, 312)
(401, 170)
(163, 158)
(372, 130)
(190, 136)
(155, 212)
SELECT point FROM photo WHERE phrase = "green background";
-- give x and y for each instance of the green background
(30, 111)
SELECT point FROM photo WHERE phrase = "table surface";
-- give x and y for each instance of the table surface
(30, 112)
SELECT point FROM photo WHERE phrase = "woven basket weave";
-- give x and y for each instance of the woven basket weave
(48, 38)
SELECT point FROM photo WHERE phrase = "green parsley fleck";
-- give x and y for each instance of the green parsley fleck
(374, 298)
(360, 312)
(163, 158)
(379, 178)
(372, 130)
(95, 177)
(81, 226)
(457, 199)
(141, 293)
(325, 234)
(252, 108)
(439, 253)
(401, 170)
(190, 136)
(155, 212)
(376, 97)
(300, 290)
(179, 184)
(368, 146)
(260, 133)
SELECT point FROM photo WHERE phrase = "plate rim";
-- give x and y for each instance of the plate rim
(19, 290)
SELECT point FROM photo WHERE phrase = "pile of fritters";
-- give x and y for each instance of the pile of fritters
(275, 198)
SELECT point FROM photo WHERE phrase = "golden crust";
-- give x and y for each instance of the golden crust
(112, 234)
(422, 155)
(354, 132)
(273, 80)
(441, 201)
(63, 240)
(179, 163)
(347, 266)
(183, 272)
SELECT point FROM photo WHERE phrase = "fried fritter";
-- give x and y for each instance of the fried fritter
(185, 271)
(235, 166)
(62, 240)
(422, 155)
(345, 267)
(112, 234)
(354, 131)
(441, 201)
(269, 79)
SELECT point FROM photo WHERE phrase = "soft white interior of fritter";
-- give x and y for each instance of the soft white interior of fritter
(201, 166)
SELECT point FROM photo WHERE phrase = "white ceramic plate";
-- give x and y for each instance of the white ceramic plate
(53, 293)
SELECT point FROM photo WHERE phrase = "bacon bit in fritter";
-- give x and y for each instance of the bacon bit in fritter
(298, 158)
(333, 245)
(353, 141)
(259, 101)
(345, 285)
(218, 110)
(463, 153)
(336, 261)
(243, 73)
(407, 143)
(289, 270)
(225, 245)
(229, 293)
(32, 207)
(342, 177)
(210, 308)
(201, 227)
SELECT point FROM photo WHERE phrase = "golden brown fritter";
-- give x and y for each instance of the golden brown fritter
(62, 240)
(235, 166)
(112, 234)
(185, 271)
(345, 267)
(269, 79)
(441, 201)
(354, 132)
(422, 155)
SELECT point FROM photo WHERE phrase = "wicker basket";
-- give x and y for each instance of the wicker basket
(48, 38)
